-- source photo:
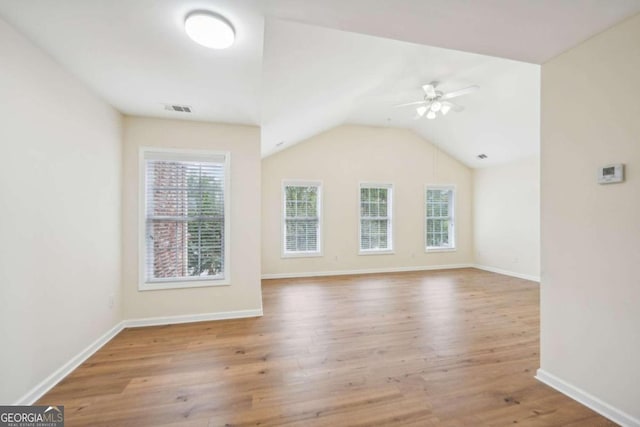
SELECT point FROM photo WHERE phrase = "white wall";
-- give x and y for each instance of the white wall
(244, 292)
(343, 157)
(506, 217)
(60, 216)
(590, 333)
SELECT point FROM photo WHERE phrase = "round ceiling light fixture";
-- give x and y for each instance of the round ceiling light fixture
(209, 29)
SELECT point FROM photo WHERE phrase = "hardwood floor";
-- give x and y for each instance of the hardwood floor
(442, 348)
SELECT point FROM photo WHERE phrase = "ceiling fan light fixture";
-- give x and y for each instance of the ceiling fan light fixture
(209, 29)
(435, 101)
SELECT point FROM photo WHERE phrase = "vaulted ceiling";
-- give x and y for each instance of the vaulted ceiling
(316, 78)
(300, 67)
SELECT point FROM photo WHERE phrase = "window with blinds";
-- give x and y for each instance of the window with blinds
(302, 221)
(375, 218)
(440, 218)
(185, 219)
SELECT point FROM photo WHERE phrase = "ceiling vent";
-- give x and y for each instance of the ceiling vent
(178, 108)
(482, 156)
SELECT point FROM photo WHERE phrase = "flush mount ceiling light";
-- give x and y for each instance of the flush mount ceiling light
(435, 101)
(209, 29)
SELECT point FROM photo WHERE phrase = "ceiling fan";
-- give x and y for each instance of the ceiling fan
(436, 101)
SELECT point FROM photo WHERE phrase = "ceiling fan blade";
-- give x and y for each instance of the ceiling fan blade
(460, 92)
(450, 106)
(409, 103)
(430, 90)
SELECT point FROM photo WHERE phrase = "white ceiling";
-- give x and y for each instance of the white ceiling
(298, 80)
(317, 78)
(136, 55)
(525, 30)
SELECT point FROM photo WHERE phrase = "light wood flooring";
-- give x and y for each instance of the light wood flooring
(452, 348)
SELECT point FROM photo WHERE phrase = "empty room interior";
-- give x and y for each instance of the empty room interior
(320, 213)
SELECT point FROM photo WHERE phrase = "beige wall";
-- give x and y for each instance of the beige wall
(244, 144)
(60, 216)
(506, 218)
(341, 159)
(590, 335)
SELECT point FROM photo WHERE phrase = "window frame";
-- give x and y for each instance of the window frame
(174, 154)
(390, 215)
(452, 221)
(283, 220)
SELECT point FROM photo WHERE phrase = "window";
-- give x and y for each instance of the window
(440, 218)
(302, 222)
(375, 218)
(185, 219)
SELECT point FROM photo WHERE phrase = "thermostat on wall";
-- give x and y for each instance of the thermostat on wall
(611, 174)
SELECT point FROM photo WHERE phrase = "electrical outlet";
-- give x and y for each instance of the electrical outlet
(112, 301)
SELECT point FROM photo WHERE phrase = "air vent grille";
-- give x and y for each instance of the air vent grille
(178, 108)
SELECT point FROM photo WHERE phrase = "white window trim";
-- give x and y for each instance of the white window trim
(390, 210)
(452, 225)
(283, 226)
(182, 283)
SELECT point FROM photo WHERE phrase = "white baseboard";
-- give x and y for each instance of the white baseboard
(47, 384)
(507, 272)
(189, 318)
(588, 400)
(364, 271)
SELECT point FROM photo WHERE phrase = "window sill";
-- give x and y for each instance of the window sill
(432, 250)
(184, 284)
(377, 252)
(301, 255)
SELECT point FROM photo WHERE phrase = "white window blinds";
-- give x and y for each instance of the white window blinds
(301, 218)
(375, 218)
(440, 218)
(185, 217)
